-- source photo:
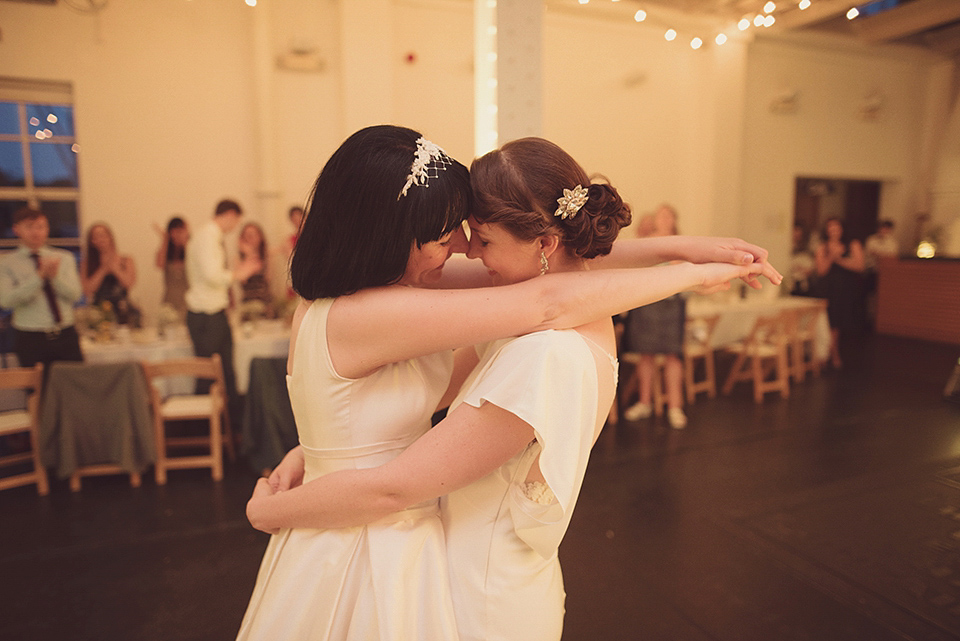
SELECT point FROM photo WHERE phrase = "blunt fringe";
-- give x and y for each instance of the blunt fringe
(356, 232)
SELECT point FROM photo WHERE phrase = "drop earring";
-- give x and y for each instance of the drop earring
(544, 265)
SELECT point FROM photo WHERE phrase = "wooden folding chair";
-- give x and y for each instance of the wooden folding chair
(24, 421)
(698, 345)
(762, 353)
(210, 406)
(803, 335)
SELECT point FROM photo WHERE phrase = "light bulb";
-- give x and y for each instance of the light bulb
(670, 35)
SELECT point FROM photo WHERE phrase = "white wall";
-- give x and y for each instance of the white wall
(826, 137)
(172, 98)
(162, 109)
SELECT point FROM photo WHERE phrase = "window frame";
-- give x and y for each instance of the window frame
(23, 92)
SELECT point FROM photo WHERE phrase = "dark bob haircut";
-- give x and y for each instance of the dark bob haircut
(358, 232)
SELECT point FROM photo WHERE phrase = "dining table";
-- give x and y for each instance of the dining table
(251, 339)
(738, 313)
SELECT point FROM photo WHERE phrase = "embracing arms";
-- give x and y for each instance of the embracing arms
(466, 446)
(423, 321)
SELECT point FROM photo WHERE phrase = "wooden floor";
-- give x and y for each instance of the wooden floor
(834, 515)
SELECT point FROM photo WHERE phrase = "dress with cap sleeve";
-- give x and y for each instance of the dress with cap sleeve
(503, 531)
(383, 581)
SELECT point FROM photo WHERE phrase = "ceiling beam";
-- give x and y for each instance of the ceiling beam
(819, 11)
(946, 40)
(906, 20)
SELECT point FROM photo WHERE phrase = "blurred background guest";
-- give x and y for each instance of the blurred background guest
(171, 258)
(657, 329)
(208, 294)
(40, 284)
(107, 276)
(882, 244)
(296, 219)
(803, 268)
(252, 245)
(840, 266)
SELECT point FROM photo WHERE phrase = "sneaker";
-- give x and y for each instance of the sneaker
(637, 411)
(676, 418)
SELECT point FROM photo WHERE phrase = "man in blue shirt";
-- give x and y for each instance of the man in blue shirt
(41, 285)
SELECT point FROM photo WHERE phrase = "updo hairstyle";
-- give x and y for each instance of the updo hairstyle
(358, 231)
(518, 186)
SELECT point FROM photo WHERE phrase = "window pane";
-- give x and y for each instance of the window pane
(7, 209)
(62, 215)
(57, 118)
(9, 123)
(11, 164)
(54, 165)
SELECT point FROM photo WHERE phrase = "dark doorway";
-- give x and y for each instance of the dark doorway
(855, 202)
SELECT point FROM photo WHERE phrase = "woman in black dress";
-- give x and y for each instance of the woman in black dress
(840, 265)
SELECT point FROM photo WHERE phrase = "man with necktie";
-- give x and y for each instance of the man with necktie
(41, 285)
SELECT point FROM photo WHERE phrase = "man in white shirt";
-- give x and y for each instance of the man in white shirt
(882, 243)
(208, 292)
(41, 285)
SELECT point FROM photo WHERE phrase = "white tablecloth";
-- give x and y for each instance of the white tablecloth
(737, 316)
(264, 339)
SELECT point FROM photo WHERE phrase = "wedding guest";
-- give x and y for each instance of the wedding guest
(840, 266)
(657, 330)
(296, 219)
(107, 276)
(171, 258)
(253, 249)
(803, 269)
(208, 292)
(882, 244)
(41, 285)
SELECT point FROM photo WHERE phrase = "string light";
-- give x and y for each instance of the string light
(758, 20)
(853, 13)
(670, 35)
(744, 24)
(768, 21)
(804, 4)
(640, 15)
(696, 43)
(770, 7)
(721, 38)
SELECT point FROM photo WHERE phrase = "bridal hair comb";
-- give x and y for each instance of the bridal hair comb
(428, 161)
(571, 202)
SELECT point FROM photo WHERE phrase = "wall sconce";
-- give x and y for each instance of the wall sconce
(871, 106)
(303, 60)
(786, 102)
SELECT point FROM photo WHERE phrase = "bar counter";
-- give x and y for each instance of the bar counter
(919, 298)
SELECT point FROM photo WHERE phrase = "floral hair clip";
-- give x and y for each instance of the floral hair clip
(571, 202)
(428, 161)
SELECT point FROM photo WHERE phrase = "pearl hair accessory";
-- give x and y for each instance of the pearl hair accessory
(571, 202)
(428, 161)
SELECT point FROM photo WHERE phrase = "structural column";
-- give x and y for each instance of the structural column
(508, 51)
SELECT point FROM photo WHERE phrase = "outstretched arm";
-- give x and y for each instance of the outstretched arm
(461, 272)
(466, 446)
(424, 321)
(639, 252)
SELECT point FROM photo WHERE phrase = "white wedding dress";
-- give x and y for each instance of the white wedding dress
(384, 581)
(503, 532)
